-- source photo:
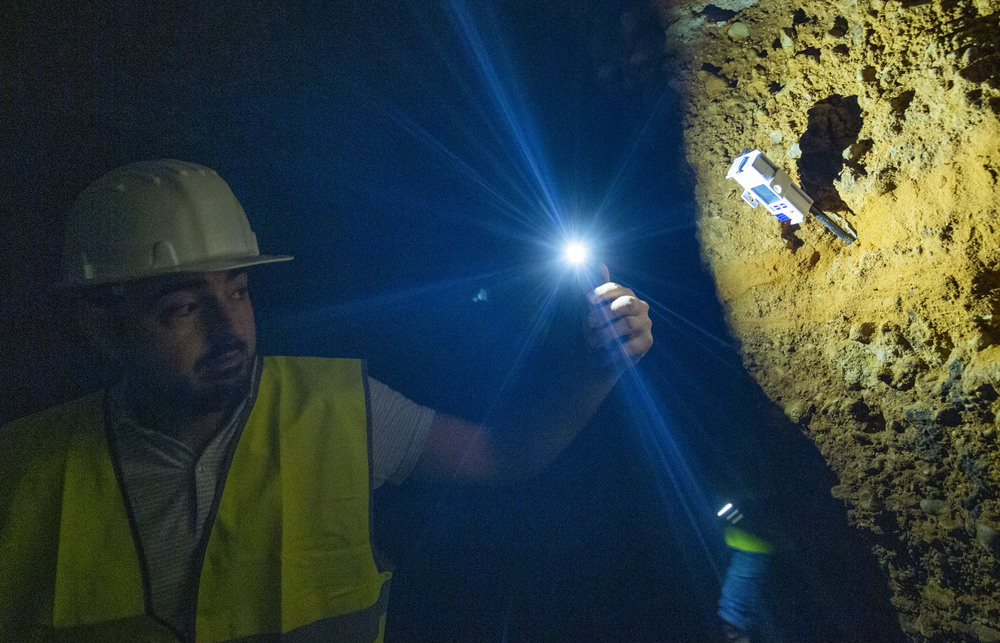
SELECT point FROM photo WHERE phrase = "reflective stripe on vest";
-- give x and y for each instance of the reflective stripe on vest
(289, 554)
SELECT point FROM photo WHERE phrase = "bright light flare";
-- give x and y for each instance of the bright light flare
(575, 253)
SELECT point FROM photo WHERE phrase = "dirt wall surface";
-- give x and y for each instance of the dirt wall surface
(886, 352)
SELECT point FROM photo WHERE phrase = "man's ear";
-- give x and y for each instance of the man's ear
(100, 331)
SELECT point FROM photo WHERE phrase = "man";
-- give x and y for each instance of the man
(212, 494)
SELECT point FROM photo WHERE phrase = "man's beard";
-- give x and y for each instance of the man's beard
(219, 381)
(207, 391)
(217, 395)
(214, 394)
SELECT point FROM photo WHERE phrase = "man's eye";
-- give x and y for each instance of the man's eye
(241, 293)
(179, 311)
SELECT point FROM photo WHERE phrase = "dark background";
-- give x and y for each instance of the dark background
(411, 155)
(365, 139)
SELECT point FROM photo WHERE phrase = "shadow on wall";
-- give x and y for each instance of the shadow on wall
(827, 145)
(828, 585)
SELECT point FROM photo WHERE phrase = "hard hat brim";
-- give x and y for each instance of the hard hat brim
(213, 265)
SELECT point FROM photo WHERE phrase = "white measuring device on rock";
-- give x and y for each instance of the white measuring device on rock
(765, 183)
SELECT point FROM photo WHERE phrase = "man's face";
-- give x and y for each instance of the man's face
(191, 339)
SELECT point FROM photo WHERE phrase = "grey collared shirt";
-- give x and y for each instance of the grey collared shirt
(171, 489)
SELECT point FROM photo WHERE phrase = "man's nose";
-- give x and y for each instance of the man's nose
(219, 314)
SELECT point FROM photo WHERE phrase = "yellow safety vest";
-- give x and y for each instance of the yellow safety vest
(289, 553)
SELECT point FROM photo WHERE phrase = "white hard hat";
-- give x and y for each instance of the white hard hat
(155, 218)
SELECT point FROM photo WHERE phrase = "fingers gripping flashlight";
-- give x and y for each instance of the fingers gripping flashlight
(582, 272)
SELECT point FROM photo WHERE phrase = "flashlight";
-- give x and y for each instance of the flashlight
(578, 257)
(575, 253)
(730, 514)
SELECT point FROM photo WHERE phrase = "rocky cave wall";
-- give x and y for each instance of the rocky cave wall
(885, 352)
